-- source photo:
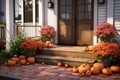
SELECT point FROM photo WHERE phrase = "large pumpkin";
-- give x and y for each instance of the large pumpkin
(31, 60)
(22, 61)
(115, 69)
(106, 71)
(99, 65)
(95, 70)
(11, 62)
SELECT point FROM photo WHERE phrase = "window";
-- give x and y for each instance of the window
(28, 11)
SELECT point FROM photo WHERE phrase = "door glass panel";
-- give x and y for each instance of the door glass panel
(69, 9)
(66, 10)
(84, 9)
(81, 7)
(80, 1)
(68, 2)
(88, 7)
(80, 16)
(62, 2)
(88, 15)
(88, 1)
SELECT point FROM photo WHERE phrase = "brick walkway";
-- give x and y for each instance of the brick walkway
(49, 72)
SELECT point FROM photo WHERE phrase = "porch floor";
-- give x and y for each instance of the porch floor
(47, 72)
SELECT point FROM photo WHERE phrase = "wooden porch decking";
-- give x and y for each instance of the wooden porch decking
(72, 55)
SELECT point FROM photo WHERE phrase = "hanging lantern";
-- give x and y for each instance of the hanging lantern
(50, 4)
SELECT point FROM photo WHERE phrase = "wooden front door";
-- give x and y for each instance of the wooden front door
(75, 22)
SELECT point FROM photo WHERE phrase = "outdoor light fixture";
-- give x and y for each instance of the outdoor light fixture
(101, 1)
(50, 4)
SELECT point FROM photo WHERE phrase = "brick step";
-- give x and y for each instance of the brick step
(49, 59)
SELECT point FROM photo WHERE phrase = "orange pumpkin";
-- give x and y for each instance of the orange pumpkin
(66, 65)
(83, 68)
(99, 65)
(90, 48)
(31, 60)
(95, 70)
(88, 73)
(51, 45)
(11, 63)
(22, 57)
(106, 71)
(46, 45)
(15, 58)
(48, 42)
(115, 69)
(22, 61)
(59, 64)
(75, 70)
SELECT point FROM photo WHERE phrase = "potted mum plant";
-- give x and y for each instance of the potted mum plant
(107, 53)
(105, 32)
(47, 33)
(29, 47)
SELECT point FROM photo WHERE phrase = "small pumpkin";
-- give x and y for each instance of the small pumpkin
(95, 70)
(15, 58)
(51, 45)
(115, 69)
(83, 68)
(106, 71)
(90, 48)
(48, 42)
(75, 70)
(31, 60)
(88, 73)
(11, 63)
(59, 64)
(66, 65)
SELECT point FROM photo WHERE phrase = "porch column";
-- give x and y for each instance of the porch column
(110, 10)
(41, 12)
(95, 21)
(22, 12)
(34, 12)
(9, 23)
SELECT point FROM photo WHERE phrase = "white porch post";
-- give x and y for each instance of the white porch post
(95, 21)
(9, 23)
(22, 12)
(34, 12)
(110, 10)
(41, 11)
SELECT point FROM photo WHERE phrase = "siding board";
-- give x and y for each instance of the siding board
(117, 17)
(102, 12)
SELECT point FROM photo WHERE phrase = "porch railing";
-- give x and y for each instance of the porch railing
(2, 32)
(27, 30)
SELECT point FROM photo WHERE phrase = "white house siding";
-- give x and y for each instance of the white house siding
(2, 10)
(51, 16)
(102, 12)
(117, 16)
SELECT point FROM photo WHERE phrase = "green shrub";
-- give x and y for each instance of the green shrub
(15, 44)
(4, 56)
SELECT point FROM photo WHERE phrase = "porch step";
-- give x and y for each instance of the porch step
(66, 53)
(49, 59)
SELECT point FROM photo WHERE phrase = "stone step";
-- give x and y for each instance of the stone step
(49, 59)
(66, 53)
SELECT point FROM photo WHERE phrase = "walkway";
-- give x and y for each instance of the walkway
(48, 72)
